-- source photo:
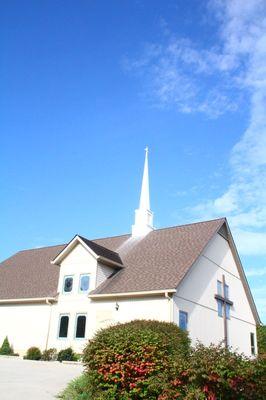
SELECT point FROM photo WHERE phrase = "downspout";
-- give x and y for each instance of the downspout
(49, 323)
(170, 301)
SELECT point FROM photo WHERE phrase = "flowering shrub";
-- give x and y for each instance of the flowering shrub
(153, 360)
(129, 361)
(214, 373)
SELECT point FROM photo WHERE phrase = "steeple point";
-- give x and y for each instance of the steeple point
(143, 215)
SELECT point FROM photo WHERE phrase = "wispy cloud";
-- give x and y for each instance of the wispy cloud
(243, 31)
(213, 81)
(173, 71)
(256, 272)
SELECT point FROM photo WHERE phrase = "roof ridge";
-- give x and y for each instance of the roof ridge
(110, 237)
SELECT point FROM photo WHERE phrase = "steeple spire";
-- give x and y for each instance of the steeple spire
(143, 215)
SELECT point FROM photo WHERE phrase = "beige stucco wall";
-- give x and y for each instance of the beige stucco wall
(196, 293)
(25, 325)
(99, 313)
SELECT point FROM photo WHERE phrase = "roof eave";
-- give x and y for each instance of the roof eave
(131, 294)
(45, 300)
(70, 246)
(243, 276)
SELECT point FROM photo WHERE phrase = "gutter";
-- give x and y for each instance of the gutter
(107, 261)
(29, 300)
(164, 292)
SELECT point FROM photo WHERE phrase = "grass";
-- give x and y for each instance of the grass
(75, 390)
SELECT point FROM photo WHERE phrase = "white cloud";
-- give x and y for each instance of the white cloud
(173, 73)
(243, 34)
(212, 81)
(251, 272)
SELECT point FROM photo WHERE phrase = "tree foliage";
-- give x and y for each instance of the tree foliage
(6, 349)
(261, 337)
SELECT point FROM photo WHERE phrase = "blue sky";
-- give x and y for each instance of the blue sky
(86, 85)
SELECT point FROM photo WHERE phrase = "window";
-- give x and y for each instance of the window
(226, 291)
(84, 283)
(227, 310)
(63, 326)
(220, 307)
(80, 326)
(252, 343)
(219, 288)
(183, 320)
(68, 284)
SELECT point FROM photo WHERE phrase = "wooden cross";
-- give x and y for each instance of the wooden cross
(225, 302)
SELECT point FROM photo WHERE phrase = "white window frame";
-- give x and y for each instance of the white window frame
(64, 279)
(59, 324)
(80, 277)
(76, 324)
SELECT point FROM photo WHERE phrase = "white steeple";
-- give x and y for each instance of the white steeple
(143, 215)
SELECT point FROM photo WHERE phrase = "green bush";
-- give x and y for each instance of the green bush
(6, 349)
(49, 355)
(129, 361)
(66, 355)
(33, 353)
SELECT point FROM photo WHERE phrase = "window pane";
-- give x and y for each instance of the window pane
(226, 291)
(63, 326)
(220, 308)
(183, 318)
(81, 326)
(227, 311)
(68, 284)
(252, 338)
(219, 288)
(84, 283)
(252, 343)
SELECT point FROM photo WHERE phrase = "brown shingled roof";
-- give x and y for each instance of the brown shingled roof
(160, 260)
(102, 251)
(29, 274)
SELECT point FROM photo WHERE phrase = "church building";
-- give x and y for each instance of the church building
(190, 275)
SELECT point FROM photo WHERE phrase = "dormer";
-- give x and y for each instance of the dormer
(84, 265)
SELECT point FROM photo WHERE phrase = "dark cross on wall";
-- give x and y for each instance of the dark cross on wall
(225, 302)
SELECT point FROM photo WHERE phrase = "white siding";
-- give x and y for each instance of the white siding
(103, 272)
(195, 295)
